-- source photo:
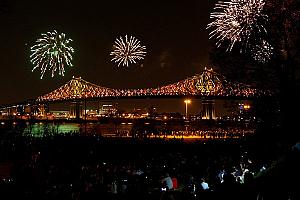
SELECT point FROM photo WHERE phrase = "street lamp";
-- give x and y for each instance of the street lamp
(187, 101)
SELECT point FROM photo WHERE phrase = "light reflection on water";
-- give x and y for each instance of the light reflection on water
(42, 129)
(39, 129)
(128, 129)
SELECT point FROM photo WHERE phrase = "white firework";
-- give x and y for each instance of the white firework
(127, 51)
(237, 21)
(262, 52)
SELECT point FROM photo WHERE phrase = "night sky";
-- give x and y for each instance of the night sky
(174, 33)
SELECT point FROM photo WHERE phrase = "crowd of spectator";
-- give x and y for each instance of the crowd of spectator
(92, 167)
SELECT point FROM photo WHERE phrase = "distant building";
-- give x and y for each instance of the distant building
(107, 109)
(60, 114)
(92, 112)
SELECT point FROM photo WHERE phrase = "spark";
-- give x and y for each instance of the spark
(53, 52)
(262, 52)
(237, 21)
(127, 51)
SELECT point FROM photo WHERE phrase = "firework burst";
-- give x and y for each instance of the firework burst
(53, 52)
(237, 21)
(127, 51)
(262, 52)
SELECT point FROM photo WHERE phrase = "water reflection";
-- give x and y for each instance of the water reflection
(136, 130)
(110, 129)
(40, 129)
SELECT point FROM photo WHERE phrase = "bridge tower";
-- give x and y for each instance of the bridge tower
(41, 109)
(208, 109)
(76, 110)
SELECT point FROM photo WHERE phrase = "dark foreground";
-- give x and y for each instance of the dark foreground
(82, 167)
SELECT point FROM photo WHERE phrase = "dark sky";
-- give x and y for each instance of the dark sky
(174, 33)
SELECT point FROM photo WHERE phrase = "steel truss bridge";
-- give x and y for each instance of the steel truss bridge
(207, 84)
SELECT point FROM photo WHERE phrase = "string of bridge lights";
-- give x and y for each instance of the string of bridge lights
(208, 83)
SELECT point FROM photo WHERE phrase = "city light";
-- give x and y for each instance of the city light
(246, 106)
(187, 101)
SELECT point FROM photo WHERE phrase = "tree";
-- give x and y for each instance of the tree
(281, 74)
(284, 33)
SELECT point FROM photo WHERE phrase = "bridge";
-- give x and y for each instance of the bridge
(207, 84)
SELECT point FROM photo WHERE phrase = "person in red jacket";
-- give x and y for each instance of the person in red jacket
(175, 183)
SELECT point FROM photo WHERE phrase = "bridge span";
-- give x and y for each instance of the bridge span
(208, 85)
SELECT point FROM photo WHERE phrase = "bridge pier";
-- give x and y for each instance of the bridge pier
(42, 109)
(76, 110)
(208, 109)
(11, 111)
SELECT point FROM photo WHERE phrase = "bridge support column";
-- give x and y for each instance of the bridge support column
(208, 109)
(42, 109)
(76, 110)
(9, 111)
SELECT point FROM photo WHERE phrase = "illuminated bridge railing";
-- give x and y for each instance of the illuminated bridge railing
(207, 84)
